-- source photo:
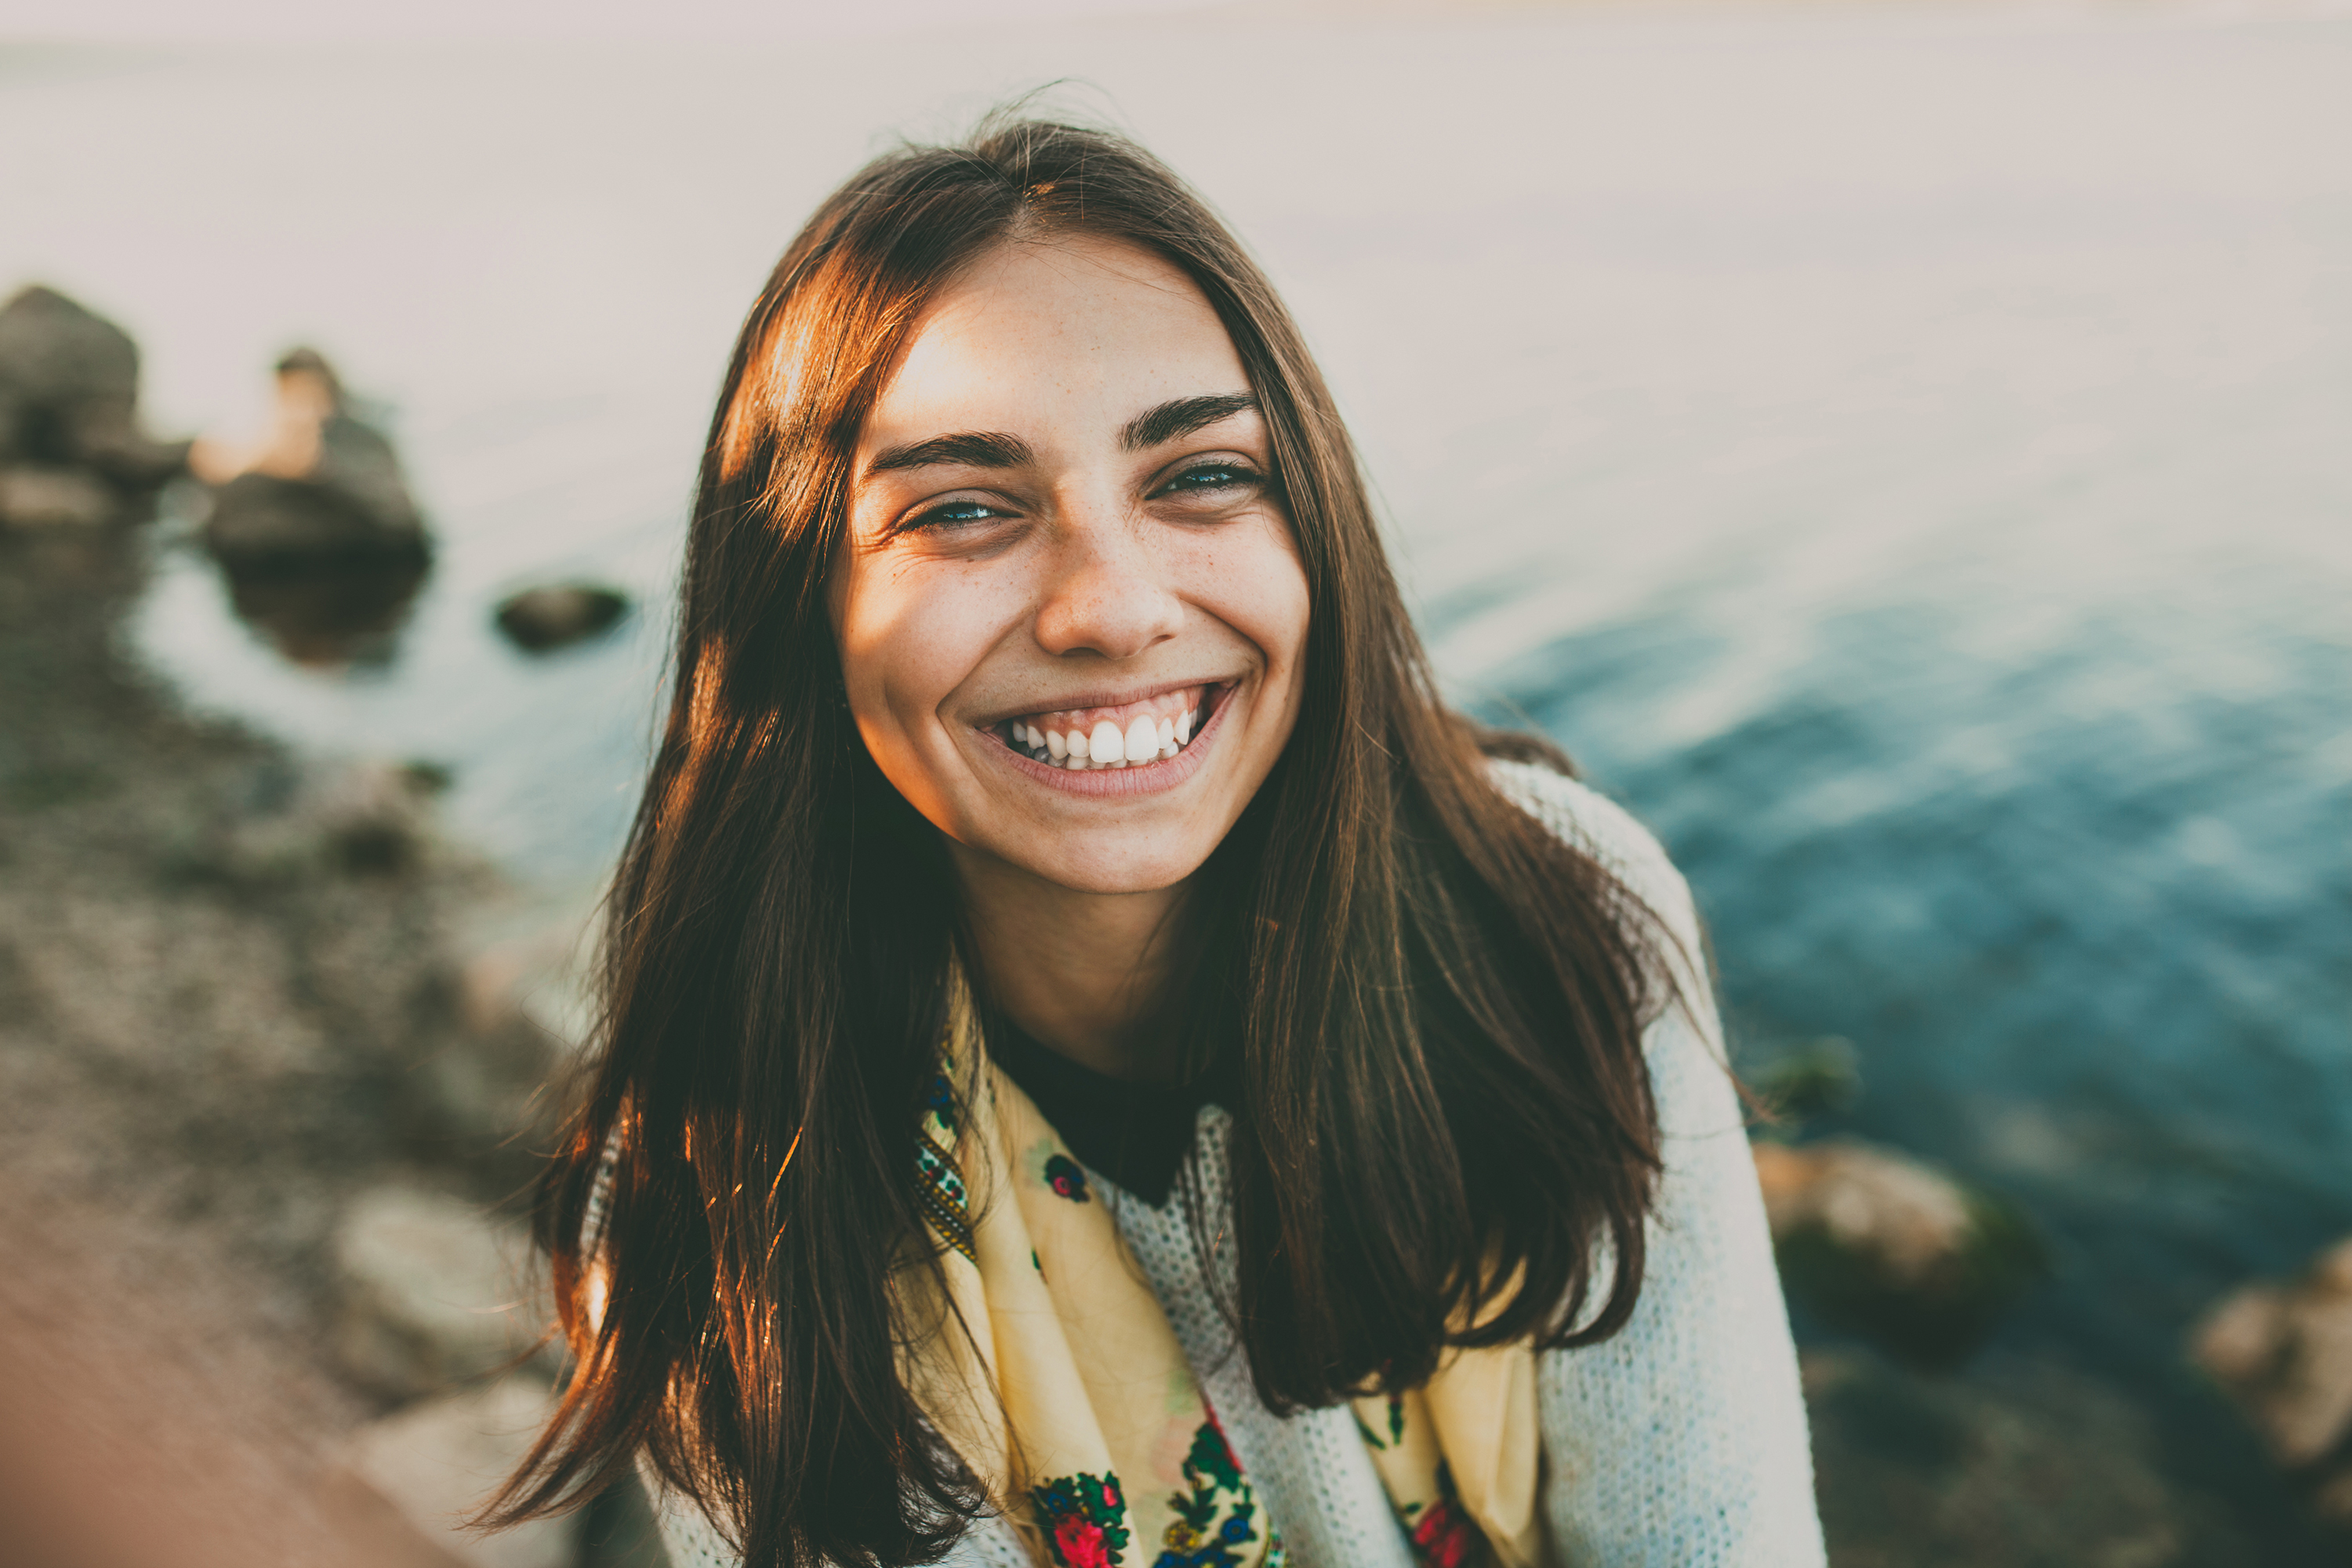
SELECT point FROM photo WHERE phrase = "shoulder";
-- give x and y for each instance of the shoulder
(1584, 818)
(1683, 1039)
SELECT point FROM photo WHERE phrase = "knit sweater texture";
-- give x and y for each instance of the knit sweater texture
(1680, 1442)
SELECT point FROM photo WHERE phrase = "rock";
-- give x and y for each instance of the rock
(2283, 1353)
(2014, 1462)
(437, 1460)
(59, 361)
(322, 486)
(534, 965)
(260, 522)
(539, 620)
(1881, 1244)
(69, 396)
(435, 1292)
(519, 985)
(34, 495)
(329, 614)
(297, 819)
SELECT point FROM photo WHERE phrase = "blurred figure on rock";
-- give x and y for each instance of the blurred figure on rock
(321, 484)
(313, 524)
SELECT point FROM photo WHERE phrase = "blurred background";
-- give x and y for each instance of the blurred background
(1904, 452)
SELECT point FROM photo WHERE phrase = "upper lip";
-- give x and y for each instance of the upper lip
(1105, 697)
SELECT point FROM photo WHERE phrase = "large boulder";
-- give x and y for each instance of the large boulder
(2282, 1352)
(435, 1291)
(69, 414)
(1879, 1244)
(332, 615)
(63, 368)
(323, 486)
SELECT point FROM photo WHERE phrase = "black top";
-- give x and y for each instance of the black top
(1134, 1135)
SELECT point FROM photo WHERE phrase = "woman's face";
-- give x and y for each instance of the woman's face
(1071, 613)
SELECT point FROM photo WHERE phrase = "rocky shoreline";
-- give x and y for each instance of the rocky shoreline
(234, 1003)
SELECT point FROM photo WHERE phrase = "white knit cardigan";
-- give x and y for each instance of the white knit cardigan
(1678, 1443)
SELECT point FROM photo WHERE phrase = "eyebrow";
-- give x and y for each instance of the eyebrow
(1180, 416)
(1169, 421)
(968, 449)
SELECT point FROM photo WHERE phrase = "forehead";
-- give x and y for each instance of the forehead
(1051, 333)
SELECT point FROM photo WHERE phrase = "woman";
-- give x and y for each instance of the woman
(1100, 1066)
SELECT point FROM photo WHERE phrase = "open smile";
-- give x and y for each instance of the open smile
(1155, 742)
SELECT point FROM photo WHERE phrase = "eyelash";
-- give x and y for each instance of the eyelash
(1234, 476)
(938, 517)
(1239, 476)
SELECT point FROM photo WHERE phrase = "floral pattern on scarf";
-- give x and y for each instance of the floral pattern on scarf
(1052, 1370)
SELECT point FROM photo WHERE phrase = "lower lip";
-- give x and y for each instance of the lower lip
(1151, 778)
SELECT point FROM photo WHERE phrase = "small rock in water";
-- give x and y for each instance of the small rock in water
(435, 1292)
(2284, 1352)
(322, 485)
(71, 449)
(1881, 1244)
(541, 619)
(436, 1461)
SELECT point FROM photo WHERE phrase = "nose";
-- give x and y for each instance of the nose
(1107, 592)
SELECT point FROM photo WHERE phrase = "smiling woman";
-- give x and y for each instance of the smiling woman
(1098, 1065)
(1064, 487)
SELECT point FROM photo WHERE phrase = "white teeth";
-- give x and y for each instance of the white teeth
(1147, 738)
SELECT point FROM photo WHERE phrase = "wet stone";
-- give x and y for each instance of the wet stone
(435, 1291)
(541, 620)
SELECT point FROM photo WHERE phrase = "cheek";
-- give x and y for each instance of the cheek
(1254, 583)
(909, 636)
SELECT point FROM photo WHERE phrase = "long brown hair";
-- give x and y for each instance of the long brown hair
(1433, 1005)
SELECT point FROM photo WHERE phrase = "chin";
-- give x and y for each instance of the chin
(1093, 867)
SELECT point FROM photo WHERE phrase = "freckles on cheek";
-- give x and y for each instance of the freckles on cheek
(1255, 584)
(907, 643)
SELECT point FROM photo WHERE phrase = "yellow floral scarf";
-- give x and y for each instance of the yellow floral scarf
(1052, 1372)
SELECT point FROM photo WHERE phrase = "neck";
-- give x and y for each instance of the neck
(1085, 974)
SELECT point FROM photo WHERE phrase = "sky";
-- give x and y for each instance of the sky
(316, 21)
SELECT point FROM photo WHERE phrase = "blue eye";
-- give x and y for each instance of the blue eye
(956, 513)
(1209, 477)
